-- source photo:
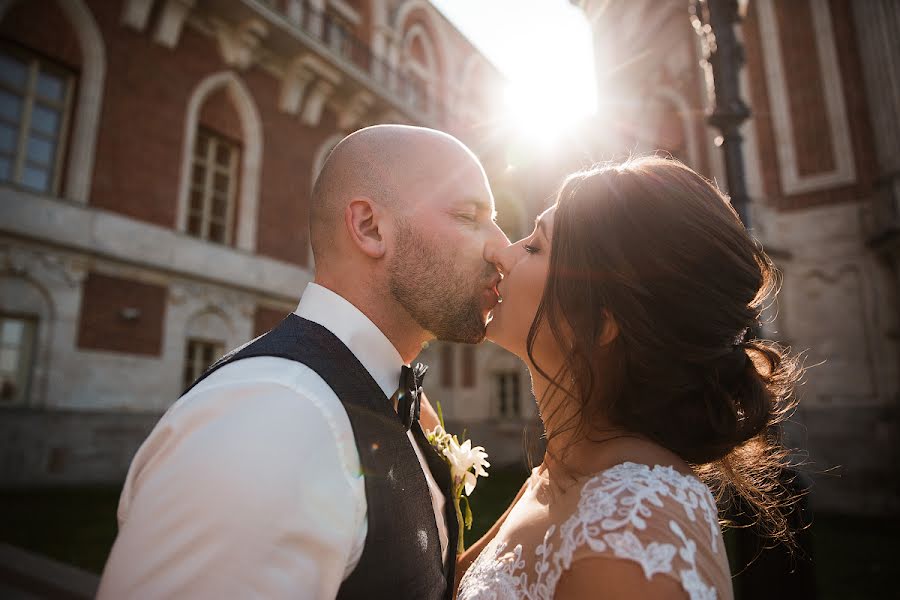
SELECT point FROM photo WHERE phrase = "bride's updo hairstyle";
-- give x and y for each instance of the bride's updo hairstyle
(658, 248)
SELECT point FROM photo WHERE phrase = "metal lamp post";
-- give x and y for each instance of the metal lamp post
(775, 573)
(715, 21)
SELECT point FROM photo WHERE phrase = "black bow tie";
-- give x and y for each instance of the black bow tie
(409, 393)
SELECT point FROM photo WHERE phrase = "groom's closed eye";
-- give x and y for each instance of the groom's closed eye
(476, 210)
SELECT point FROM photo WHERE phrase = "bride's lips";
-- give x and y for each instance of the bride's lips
(493, 293)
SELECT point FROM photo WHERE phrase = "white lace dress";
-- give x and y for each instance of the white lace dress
(664, 521)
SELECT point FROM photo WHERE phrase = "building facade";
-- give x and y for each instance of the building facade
(156, 159)
(822, 81)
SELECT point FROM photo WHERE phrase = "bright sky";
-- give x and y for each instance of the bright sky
(544, 49)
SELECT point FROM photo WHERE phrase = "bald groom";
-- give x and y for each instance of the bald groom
(286, 471)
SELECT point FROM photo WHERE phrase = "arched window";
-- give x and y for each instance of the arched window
(419, 69)
(43, 111)
(35, 107)
(26, 315)
(205, 339)
(218, 195)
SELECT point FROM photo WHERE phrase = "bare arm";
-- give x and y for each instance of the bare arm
(614, 579)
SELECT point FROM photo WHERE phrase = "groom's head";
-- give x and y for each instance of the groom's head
(402, 218)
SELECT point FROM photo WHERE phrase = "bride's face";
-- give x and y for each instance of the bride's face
(524, 265)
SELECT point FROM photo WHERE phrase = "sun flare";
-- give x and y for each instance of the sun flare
(545, 50)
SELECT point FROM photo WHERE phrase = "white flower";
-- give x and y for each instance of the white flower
(463, 459)
(438, 438)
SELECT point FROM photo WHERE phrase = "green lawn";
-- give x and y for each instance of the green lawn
(854, 557)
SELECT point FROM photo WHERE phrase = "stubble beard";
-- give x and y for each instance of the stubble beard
(438, 298)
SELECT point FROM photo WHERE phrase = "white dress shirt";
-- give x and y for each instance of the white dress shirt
(250, 485)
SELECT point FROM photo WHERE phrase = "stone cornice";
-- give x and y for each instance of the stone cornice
(112, 236)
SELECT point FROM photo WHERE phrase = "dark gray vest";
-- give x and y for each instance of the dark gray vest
(402, 555)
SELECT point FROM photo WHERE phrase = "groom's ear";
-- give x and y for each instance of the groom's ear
(363, 219)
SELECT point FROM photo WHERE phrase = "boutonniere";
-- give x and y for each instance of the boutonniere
(466, 463)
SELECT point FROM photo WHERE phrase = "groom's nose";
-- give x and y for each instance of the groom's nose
(496, 240)
(495, 252)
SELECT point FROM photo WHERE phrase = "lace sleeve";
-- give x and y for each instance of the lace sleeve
(664, 521)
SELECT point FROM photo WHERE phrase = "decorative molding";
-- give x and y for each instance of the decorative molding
(103, 235)
(354, 109)
(346, 11)
(251, 155)
(297, 77)
(430, 72)
(240, 45)
(136, 13)
(845, 169)
(315, 103)
(171, 21)
(443, 55)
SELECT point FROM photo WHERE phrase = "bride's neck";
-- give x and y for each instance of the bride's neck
(572, 450)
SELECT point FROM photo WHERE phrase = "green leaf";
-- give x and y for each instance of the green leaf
(468, 517)
(440, 414)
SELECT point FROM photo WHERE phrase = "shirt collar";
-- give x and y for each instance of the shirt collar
(371, 347)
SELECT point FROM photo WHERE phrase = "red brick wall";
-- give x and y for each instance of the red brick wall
(265, 319)
(219, 114)
(41, 26)
(805, 88)
(101, 325)
(140, 142)
(141, 133)
(807, 108)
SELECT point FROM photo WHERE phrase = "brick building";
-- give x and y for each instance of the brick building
(156, 159)
(822, 160)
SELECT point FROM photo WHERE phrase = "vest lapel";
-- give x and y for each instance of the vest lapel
(441, 473)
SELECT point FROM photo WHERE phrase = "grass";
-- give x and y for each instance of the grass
(73, 525)
(854, 557)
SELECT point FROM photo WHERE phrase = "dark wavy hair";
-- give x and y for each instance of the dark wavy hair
(658, 248)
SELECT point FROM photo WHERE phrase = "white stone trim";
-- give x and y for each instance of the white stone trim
(123, 240)
(845, 169)
(23, 293)
(752, 161)
(315, 102)
(171, 21)
(251, 154)
(136, 13)
(430, 71)
(86, 114)
(346, 11)
(443, 56)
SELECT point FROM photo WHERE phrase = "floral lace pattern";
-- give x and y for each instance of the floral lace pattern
(613, 510)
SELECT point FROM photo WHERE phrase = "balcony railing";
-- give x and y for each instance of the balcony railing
(342, 42)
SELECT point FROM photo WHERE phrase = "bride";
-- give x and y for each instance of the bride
(633, 304)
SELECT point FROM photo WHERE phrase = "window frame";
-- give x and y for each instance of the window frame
(208, 190)
(26, 373)
(190, 371)
(36, 64)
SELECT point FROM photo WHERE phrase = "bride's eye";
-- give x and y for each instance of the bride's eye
(530, 249)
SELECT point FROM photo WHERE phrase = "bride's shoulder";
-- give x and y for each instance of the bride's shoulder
(634, 496)
(656, 517)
